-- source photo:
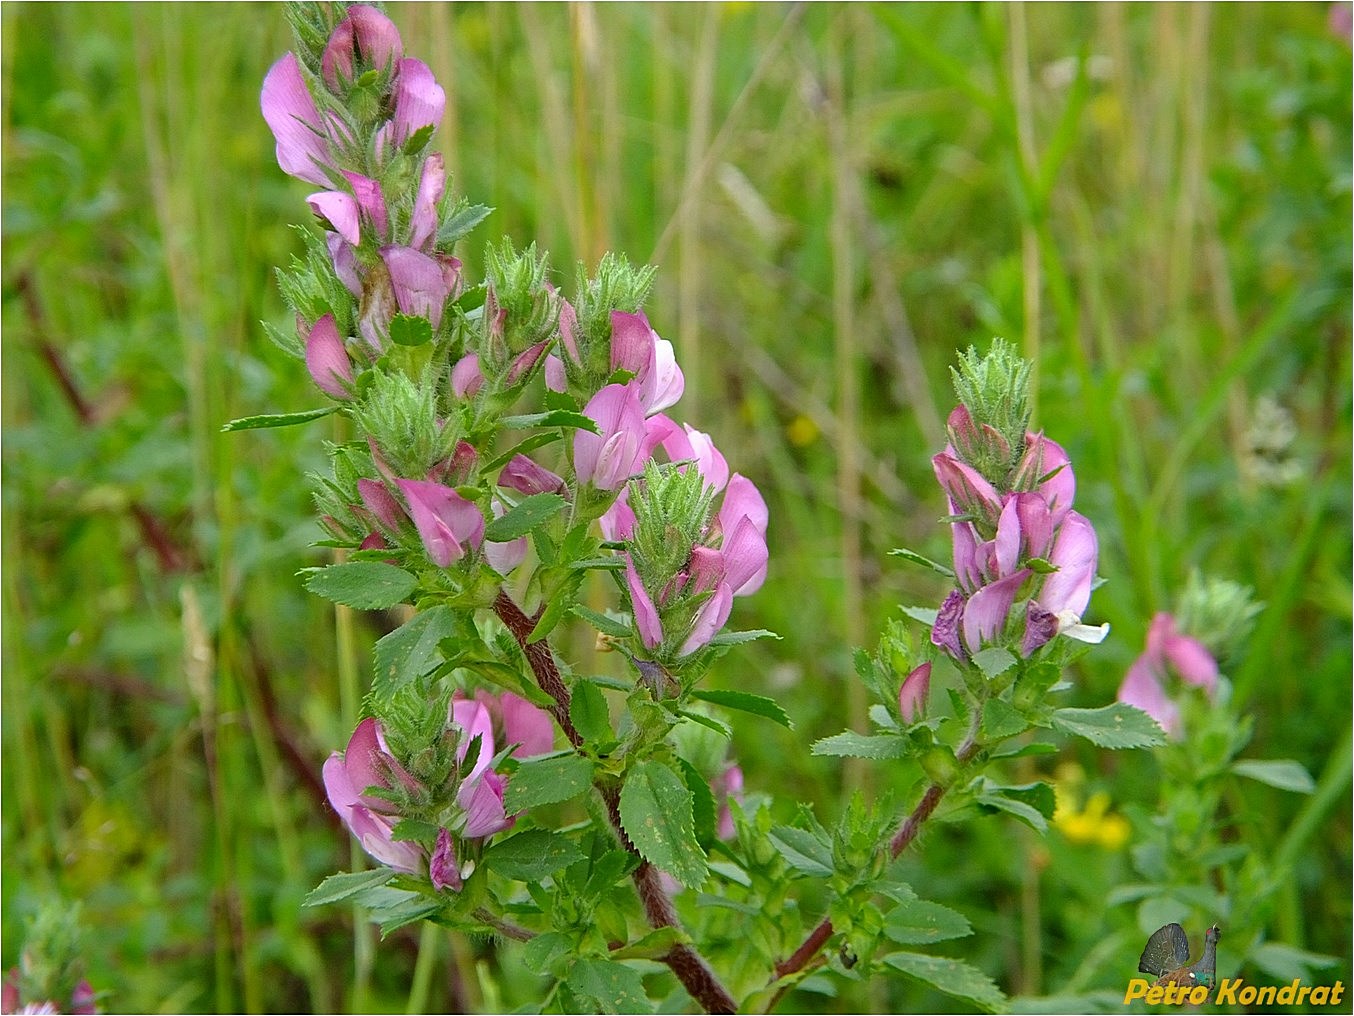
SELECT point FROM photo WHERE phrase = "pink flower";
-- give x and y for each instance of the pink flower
(448, 524)
(367, 763)
(517, 721)
(636, 347)
(423, 221)
(378, 500)
(526, 475)
(420, 283)
(1167, 651)
(913, 693)
(466, 377)
(419, 102)
(327, 359)
(726, 787)
(608, 459)
(303, 148)
(366, 32)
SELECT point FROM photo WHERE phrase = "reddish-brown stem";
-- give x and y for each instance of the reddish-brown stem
(911, 827)
(685, 962)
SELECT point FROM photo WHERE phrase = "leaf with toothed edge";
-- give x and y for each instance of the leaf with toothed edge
(656, 813)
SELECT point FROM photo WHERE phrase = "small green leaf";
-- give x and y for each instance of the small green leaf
(702, 802)
(545, 951)
(655, 945)
(588, 710)
(415, 908)
(530, 856)
(408, 330)
(410, 651)
(1113, 726)
(367, 585)
(346, 884)
(547, 781)
(523, 518)
(461, 221)
(994, 661)
(954, 977)
(560, 603)
(1027, 814)
(849, 743)
(737, 638)
(917, 922)
(707, 721)
(656, 812)
(925, 562)
(529, 444)
(1000, 720)
(276, 420)
(417, 139)
(926, 615)
(808, 854)
(615, 987)
(605, 625)
(1020, 751)
(1283, 773)
(553, 418)
(758, 705)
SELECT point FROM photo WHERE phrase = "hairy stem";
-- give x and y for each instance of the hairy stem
(908, 832)
(689, 966)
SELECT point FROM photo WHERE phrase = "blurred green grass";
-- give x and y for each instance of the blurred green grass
(838, 198)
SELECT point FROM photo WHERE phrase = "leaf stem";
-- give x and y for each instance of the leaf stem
(689, 966)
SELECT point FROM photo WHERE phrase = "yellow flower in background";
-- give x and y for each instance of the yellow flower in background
(802, 431)
(1094, 824)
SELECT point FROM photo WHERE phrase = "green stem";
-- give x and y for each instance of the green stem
(430, 936)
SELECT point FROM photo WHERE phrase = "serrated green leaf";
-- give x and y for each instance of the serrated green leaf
(552, 418)
(530, 856)
(366, 585)
(543, 953)
(1001, 720)
(702, 802)
(706, 721)
(605, 625)
(926, 615)
(1026, 813)
(1020, 751)
(276, 420)
(416, 908)
(850, 744)
(918, 922)
(954, 977)
(758, 705)
(615, 987)
(460, 222)
(737, 638)
(547, 781)
(410, 651)
(655, 945)
(560, 603)
(1283, 773)
(1113, 726)
(925, 562)
(656, 812)
(417, 139)
(522, 447)
(346, 884)
(521, 519)
(808, 854)
(588, 710)
(408, 330)
(994, 661)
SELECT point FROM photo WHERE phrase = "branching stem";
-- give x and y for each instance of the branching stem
(685, 962)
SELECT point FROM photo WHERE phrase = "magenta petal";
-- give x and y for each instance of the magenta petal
(445, 520)
(555, 378)
(530, 728)
(1006, 544)
(668, 381)
(1040, 627)
(609, 458)
(706, 569)
(82, 1000)
(371, 200)
(506, 556)
(340, 211)
(1075, 552)
(1042, 457)
(618, 521)
(568, 328)
(709, 619)
(646, 614)
(709, 462)
(381, 503)
(1036, 524)
(528, 476)
(987, 609)
(327, 359)
(968, 491)
(420, 287)
(482, 799)
(442, 868)
(419, 99)
(466, 377)
(474, 720)
(945, 631)
(371, 33)
(745, 557)
(302, 149)
(742, 499)
(1192, 661)
(345, 262)
(423, 222)
(967, 568)
(1142, 689)
(374, 832)
(912, 695)
(632, 344)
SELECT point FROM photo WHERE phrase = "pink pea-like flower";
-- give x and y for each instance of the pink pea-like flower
(1168, 651)
(449, 525)
(609, 458)
(327, 359)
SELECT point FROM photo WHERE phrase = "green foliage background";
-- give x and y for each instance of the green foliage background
(838, 198)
